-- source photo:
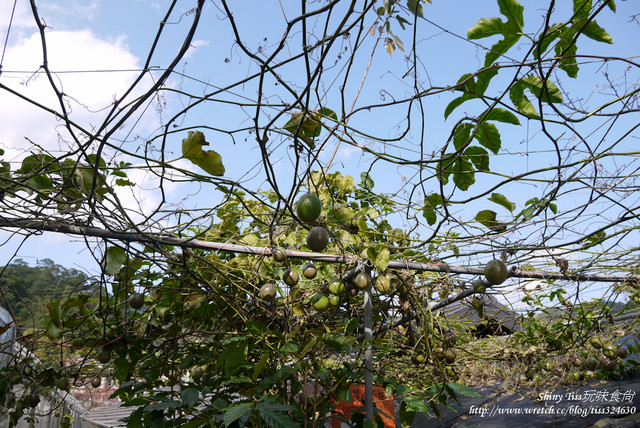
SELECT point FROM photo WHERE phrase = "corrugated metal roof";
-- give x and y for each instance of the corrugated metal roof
(109, 416)
(493, 312)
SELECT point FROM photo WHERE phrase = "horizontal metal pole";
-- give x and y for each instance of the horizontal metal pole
(49, 226)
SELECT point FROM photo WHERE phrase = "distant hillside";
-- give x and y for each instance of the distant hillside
(26, 290)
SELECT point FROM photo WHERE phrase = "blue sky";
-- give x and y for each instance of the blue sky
(114, 37)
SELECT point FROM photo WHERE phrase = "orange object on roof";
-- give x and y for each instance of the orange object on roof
(383, 406)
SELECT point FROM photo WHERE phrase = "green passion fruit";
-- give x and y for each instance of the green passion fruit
(308, 207)
(320, 302)
(136, 300)
(597, 342)
(362, 280)
(480, 286)
(336, 287)
(309, 271)
(383, 284)
(591, 363)
(104, 356)
(279, 254)
(610, 350)
(334, 300)
(496, 272)
(268, 292)
(291, 277)
(317, 239)
(622, 352)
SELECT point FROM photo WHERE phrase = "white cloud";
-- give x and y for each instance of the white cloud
(82, 68)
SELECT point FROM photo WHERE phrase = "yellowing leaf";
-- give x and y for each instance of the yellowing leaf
(208, 160)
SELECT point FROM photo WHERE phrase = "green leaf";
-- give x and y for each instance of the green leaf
(415, 7)
(488, 136)
(366, 181)
(547, 38)
(113, 259)
(416, 404)
(233, 356)
(527, 213)
(235, 412)
(407, 416)
(381, 260)
(595, 239)
(593, 31)
(163, 405)
(208, 160)
(461, 135)
(488, 218)
(351, 325)
(520, 100)
(277, 419)
(189, 396)
(500, 115)
(431, 202)
(50, 329)
(327, 112)
(478, 156)
(502, 200)
(511, 30)
(54, 312)
(463, 390)
(543, 89)
(567, 50)
(463, 173)
(123, 368)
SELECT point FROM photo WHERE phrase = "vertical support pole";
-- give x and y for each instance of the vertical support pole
(368, 353)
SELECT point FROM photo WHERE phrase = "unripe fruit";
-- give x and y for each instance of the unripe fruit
(309, 271)
(136, 300)
(480, 286)
(383, 284)
(291, 277)
(597, 342)
(320, 302)
(334, 300)
(610, 350)
(104, 356)
(279, 254)
(591, 363)
(308, 207)
(317, 239)
(96, 382)
(496, 272)
(336, 287)
(362, 280)
(622, 352)
(268, 292)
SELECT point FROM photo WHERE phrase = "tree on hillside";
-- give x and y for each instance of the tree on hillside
(27, 290)
(513, 174)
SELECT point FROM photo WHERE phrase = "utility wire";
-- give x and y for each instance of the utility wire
(6, 39)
